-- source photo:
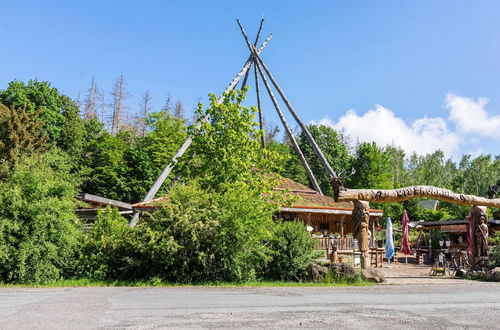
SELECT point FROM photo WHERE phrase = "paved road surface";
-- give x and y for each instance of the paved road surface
(461, 305)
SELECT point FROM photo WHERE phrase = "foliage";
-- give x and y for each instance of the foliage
(58, 115)
(124, 166)
(19, 133)
(179, 240)
(432, 215)
(432, 169)
(226, 145)
(334, 150)
(245, 224)
(39, 233)
(292, 168)
(495, 249)
(292, 251)
(195, 236)
(372, 168)
(107, 248)
(400, 176)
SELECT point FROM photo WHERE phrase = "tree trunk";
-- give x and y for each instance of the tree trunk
(403, 194)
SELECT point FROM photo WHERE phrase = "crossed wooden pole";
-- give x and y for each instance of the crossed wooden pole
(261, 69)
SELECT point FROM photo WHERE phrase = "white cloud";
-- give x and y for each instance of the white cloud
(470, 117)
(381, 125)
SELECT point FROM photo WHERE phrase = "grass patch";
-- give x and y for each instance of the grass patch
(158, 283)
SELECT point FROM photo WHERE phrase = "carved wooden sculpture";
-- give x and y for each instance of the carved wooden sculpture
(480, 230)
(361, 222)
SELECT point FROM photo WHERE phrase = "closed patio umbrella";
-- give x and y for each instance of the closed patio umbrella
(389, 241)
(405, 240)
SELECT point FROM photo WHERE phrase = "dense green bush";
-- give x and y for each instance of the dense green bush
(179, 241)
(195, 236)
(494, 241)
(39, 233)
(292, 251)
(108, 250)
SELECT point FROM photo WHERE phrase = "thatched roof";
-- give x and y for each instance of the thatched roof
(308, 197)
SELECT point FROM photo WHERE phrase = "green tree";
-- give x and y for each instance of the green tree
(292, 167)
(56, 112)
(19, 132)
(433, 170)
(333, 149)
(124, 166)
(225, 142)
(39, 232)
(479, 173)
(399, 172)
(372, 168)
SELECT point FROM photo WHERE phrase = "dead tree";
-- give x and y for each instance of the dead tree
(178, 110)
(145, 110)
(103, 107)
(91, 101)
(119, 95)
(168, 104)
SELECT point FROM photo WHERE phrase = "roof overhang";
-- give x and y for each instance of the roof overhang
(326, 210)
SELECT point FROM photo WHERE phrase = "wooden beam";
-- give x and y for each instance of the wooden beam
(403, 194)
(89, 198)
(259, 107)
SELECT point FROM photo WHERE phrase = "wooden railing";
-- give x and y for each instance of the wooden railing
(343, 243)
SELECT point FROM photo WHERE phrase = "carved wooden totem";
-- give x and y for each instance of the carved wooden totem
(480, 231)
(361, 222)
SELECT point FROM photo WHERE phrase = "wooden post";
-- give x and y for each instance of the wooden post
(295, 144)
(342, 225)
(259, 107)
(361, 220)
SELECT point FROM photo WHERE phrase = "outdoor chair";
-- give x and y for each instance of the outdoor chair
(440, 265)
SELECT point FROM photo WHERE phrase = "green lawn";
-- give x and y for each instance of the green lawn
(157, 283)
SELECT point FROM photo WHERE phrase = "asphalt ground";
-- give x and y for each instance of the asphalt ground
(460, 305)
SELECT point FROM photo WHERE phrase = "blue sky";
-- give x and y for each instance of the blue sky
(422, 74)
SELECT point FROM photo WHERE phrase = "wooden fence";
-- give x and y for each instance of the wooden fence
(343, 243)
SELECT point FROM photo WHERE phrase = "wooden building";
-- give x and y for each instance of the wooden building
(329, 220)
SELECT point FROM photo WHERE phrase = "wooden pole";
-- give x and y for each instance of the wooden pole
(259, 107)
(166, 171)
(308, 135)
(255, 45)
(295, 144)
(403, 194)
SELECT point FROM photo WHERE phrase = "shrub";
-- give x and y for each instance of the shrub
(292, 251)
(495, 249)
(199, 236)
(39, 232)
(179, 241)
(108, 248)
